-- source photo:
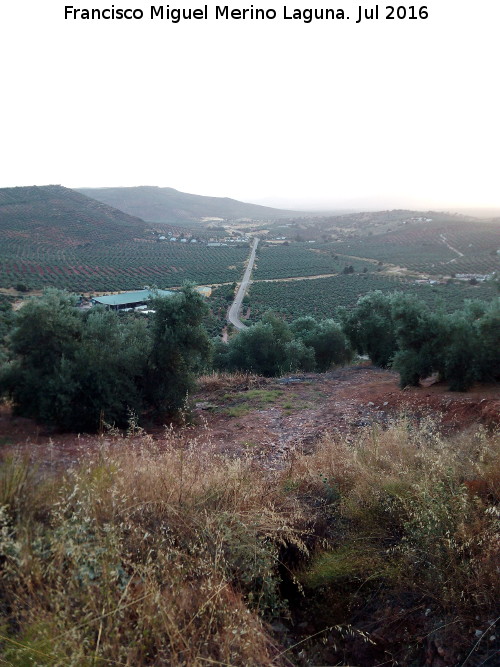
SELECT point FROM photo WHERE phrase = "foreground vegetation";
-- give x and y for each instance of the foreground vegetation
(383, 548)
(81, 370)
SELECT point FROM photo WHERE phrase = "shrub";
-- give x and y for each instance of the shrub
(272, 347)
(369, 328)
(401, 331)
(147, 557)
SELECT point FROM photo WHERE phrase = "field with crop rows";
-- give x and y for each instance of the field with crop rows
(320, 297)
(53, 236)
(424, 247)
(302, 259)
(125, 266)
(53, 215)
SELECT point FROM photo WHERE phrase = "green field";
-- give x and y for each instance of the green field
(119, 267)
(53, 236)
(424, 247)
(303, 259)
(322, 296)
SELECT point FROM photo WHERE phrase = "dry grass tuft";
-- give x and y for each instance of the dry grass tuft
(410, 509)
(231, 381)
(164, 552)
(163, 555)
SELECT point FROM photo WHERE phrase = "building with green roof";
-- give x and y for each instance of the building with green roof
(130, 299)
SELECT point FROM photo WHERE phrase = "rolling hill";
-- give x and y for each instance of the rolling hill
(167, 205)
(54, 236)
(52, 214)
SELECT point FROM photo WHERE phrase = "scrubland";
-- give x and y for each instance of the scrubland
(379, 547)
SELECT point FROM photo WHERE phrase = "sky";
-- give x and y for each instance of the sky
(333, 113)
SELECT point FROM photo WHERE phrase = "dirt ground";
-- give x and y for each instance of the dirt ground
(265, 418)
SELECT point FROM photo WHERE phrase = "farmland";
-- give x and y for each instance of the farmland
(53, 236)
(322, 296)
(299, 259)
(53, 215)
(120, 267)
(425, 247)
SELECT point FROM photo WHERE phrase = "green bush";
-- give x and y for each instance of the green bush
(401, 331)
(76, 371)
(273, 347)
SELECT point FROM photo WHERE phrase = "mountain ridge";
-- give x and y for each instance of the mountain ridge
(168, 205)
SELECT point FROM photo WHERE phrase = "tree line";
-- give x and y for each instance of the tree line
(400, 331)
(79, 370)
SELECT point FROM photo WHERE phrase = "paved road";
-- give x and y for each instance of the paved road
(233, 315)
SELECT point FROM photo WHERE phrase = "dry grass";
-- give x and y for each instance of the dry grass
(160, 553)
(231, 381)
(411, 513)
(149, 556)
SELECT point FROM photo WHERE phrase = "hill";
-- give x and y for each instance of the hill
(53, 214)
(167, 205)
(54, 236)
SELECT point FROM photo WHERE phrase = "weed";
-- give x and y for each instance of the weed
(238, 410)
(166, 552)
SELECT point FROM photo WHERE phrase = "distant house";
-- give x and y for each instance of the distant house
(130, 300)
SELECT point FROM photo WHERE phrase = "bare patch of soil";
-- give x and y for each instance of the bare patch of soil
(266, 418)
(343, 400)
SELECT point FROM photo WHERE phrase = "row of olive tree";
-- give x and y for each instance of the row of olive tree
(273, 347)
(400, 331)
(76, 370)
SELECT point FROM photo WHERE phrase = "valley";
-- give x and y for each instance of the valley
(296, 487)
(54, 236)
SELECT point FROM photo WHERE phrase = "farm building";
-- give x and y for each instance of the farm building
(129, 299)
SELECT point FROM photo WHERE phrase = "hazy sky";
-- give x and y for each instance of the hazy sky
(331, 113)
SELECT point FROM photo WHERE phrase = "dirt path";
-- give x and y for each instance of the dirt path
(279, 415)
(460, 254)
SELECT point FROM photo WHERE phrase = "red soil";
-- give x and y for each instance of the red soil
(303, 409)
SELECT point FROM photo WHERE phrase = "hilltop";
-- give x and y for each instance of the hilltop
(168, 205)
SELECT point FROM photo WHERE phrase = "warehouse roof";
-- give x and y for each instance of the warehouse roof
(139, 296)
